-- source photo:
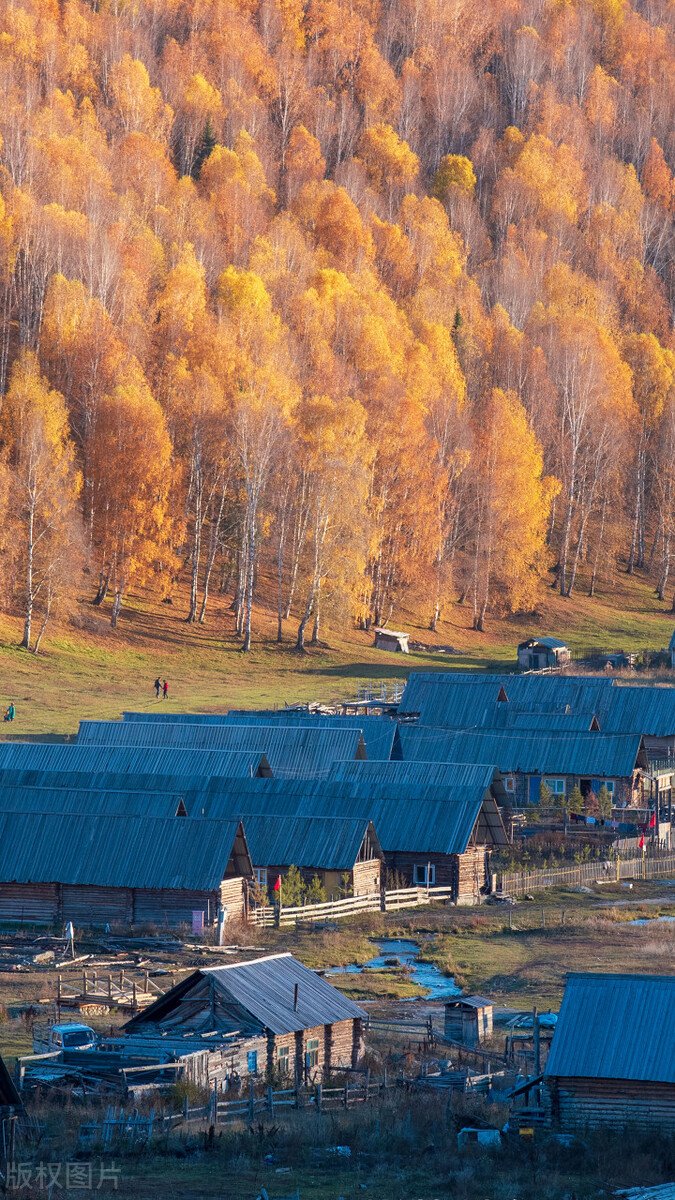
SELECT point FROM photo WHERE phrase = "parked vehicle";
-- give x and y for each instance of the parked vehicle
(68, 1035)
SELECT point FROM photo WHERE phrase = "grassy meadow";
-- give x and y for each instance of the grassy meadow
(86, 669)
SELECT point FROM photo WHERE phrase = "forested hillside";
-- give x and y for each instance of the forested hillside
(370, 300)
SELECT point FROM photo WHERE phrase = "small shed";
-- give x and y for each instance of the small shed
(271, 1016)
(611, 1062)
(537, 653)
(468, 1020)
(390, 639)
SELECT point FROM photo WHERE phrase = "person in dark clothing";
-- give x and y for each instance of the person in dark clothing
(165, 690)
(158, 685)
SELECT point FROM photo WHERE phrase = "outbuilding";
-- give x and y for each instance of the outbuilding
(9, 1097)
(271, 1017)
(468, 1020)
(537, 653)
(338, 851)
(611, 1062)
(390, 639)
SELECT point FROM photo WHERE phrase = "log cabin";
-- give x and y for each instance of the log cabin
(611, 1061)
(271, 1017)
(342, 853)
(123, 870)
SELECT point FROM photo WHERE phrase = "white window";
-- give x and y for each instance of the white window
(510, 783)
(283, 1059)
(261, 875)
(421, 871)
(313, 1052)
(609, 784)
(555, 786)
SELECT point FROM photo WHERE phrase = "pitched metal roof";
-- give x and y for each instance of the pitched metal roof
(551, 643)
(529, 752)
(164, 760)
(380, 734)
(158, 715)
(454, 698)
(119, 851)
(91, 801)
(417, 775)
(615, 1027)
(469, 1002)
(265, 988)
(326, 843)
(441, 820)
(9, 1097)
(289, 751)
(651, 710)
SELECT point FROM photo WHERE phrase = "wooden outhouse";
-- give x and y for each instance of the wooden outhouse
(390, 639)
(611, 1061)
(468, 1020)
(271, 1017)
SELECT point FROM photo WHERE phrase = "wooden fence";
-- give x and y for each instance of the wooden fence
(318, 1097)
(519, 883)
(332, 910)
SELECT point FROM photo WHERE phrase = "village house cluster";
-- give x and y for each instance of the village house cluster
(162, 818)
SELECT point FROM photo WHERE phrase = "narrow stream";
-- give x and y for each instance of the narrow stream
(395, 954)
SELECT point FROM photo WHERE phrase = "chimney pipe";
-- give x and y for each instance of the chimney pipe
(295, 998)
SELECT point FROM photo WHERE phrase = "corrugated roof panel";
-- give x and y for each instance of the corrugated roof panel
(528, 752)
(164, 760)
(442, 821)
(90, 801)
(615, 1027)
(327, 843)
(157, 715)
(651, 710)
(266, 989)
(379, 733)
(115, 851)
(417, 775)
(289, 751)
(454, 699)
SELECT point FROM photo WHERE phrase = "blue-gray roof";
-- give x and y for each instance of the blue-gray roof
(550, 642)
(139, 760)
(453, 698)
(651, 710)
(266, 989)
(615, 1027)
(292, 752)
(119, 851)
(92, 801)
(380, 734)
(529, 752)
(439, 819)
(326, 843)
(417, 775)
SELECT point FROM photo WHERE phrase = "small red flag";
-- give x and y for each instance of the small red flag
(641, 842)
(652, 820)
(277, 886)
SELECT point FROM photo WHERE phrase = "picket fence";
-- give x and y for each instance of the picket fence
(332, 910)
(518, 883)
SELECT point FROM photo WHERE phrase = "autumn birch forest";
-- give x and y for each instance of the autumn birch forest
(359, 303)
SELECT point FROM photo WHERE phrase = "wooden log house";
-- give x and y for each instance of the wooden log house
(340, 852)
(124, 870)
(611, 1061)
(271, 1017)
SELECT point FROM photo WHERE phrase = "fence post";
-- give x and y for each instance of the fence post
(214, 1102)
(297, 1088)
(251, 1100)
(562, 917)
(346, 1095)
(319, 1097)
(543, 919)
(270, 1100)
(185, 1108)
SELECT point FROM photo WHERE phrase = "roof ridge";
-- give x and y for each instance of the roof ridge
(247, 962)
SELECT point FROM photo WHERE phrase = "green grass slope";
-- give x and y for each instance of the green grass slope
(88, 670)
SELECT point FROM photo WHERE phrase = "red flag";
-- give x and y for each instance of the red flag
(652, 820)
(641, 843)
(277, 886)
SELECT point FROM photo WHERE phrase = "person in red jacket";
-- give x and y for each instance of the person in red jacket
(165, 690)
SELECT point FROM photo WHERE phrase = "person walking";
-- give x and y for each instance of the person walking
(165, 690)
(158, 686)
